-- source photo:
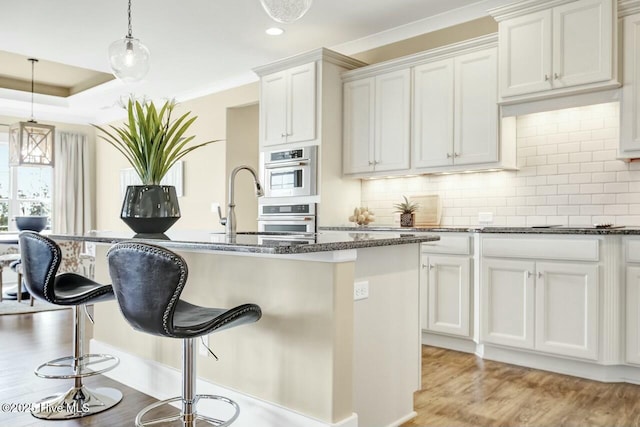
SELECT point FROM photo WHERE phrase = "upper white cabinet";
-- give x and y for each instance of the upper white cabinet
(289, 100)
(553, 47)
(630, 103)
(376, 123)
(455, 115)
(430, 112)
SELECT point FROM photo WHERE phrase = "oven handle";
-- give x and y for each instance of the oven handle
(285, 218)
(302, 162)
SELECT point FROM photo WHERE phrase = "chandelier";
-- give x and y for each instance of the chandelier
(128, 57)
(31, 143)
(286, 11)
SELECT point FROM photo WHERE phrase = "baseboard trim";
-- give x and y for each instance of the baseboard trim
(403, 420)
(464, 345)
(163, 382)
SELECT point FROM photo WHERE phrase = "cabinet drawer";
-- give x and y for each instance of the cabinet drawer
(448, 245)
(632, 249)
(561, 249)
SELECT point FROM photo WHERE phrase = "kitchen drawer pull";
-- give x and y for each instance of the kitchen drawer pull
(540, 275)
(456, 154)
(448, 155)
(529, 274)
(427, 266)
(556, 76)
(546, 77)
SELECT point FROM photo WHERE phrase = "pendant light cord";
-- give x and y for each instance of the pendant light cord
(129, 34)
(33, 63)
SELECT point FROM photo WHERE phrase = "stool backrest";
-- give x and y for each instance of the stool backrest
(41, 258)
(147, 281)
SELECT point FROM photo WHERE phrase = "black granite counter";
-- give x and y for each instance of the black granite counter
(590, 230)
(266, 243)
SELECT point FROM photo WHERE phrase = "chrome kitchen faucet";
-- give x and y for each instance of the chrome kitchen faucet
(230, 220)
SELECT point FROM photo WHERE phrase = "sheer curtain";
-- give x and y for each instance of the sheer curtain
(72, 207)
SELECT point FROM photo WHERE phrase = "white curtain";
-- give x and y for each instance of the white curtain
(72, 207)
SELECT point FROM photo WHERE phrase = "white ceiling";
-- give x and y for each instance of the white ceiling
(198, 46)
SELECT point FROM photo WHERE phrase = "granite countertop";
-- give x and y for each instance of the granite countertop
(586, 230)
(265, 243)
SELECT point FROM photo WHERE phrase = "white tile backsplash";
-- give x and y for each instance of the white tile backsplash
(568, 175)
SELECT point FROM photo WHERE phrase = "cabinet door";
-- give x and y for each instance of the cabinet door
(392, 121)
(630, 105)
(476, 109)
(433, 114)
(273, 112)
(301, 103)
(582, 42)
(525, 54)
(358, 126)
(633, 314)
(448, 295)
(507, 302)
(567, 309)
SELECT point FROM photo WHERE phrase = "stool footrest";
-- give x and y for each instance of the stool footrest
(76, 403)
(184, 418)
(88, 365)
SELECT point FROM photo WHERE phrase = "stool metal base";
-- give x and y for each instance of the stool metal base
(68, 367)
(76, 403)
(187, 420)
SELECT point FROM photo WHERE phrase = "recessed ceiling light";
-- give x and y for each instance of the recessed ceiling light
(274, 31)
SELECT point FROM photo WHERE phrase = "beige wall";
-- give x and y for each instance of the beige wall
(205, 170)
(454, 34)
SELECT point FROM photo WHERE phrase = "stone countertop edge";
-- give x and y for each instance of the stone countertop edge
(495, 230)
(261, 249)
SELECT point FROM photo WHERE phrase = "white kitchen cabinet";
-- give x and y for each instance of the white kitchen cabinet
(507, 302)
(376, 123)
(630, 102)
(455, 115)
(448, 294)
(288, 105)
(541, 294)
(567, 309)
(633, 314)
(555, 50)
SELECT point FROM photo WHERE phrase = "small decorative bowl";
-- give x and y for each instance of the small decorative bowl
(33, 223)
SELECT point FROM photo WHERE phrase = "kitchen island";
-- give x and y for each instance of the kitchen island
(316, 358)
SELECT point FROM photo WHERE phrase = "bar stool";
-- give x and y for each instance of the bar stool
(41, 258)
(147, 281)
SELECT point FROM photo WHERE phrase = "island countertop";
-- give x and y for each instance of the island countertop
(265, 243)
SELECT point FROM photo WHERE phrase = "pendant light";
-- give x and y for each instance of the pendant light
(286, 11)
(31, 143)
(128, 57)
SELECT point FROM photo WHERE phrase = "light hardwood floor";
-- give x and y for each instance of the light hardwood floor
(458, 389)
(461, 389)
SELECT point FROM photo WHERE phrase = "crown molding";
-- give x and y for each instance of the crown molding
(628, 7)
(321, 54)
(524, 7)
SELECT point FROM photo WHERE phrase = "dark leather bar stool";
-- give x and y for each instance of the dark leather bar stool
(148, 281)
(41, 258)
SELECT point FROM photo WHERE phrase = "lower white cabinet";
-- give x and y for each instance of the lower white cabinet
(447, 293)
(545, 306)
(633, 314)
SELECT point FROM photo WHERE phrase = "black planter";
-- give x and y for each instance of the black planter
(33, 223)
(150, 209)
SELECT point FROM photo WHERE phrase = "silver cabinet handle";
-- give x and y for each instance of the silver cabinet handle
(371, 163)
(448, 155)
(427, 266)
(546, 77)
(456, 154)
(283, 135)
(556, 76)
(529, 274)
(540, 274)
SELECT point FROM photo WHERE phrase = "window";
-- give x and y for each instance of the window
(24, 190)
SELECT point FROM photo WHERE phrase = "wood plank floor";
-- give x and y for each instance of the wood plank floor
(463, 390)
(458, 389)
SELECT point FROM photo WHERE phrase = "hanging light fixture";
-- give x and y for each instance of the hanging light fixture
(128, 57)
(31, 143)
(286, 11)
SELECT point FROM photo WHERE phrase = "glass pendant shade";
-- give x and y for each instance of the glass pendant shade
(129, 59)
(286, 11)
(31, 143)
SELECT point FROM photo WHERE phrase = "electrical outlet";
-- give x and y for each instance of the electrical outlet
(361, 290)
(202, 350)
(485, 217)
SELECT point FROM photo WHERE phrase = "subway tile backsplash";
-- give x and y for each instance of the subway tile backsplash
(568, 174)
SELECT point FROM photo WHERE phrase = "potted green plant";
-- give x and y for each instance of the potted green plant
(407, 211)
(152, 141)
